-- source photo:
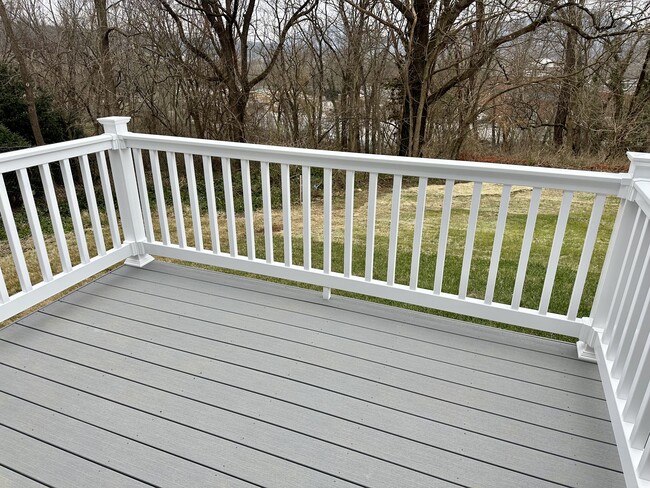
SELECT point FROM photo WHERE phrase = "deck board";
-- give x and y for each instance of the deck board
(426, 378)
(327, 331)
(389, 389)
(12, 479)
(37, 404)
(228, 381)
(51, 465)
(398, 322)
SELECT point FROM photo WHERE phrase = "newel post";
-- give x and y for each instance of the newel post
(126, 190)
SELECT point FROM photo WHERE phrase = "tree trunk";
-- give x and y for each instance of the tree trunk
(25, 75)
(642, 88)
(108, 89)
(237, 102)
(566, 89)
(630, 120)
(415, 107)
(344, 110)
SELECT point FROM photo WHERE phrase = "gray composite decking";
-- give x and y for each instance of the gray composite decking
(173, 376)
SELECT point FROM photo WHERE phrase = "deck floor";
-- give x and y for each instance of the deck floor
(173, 376)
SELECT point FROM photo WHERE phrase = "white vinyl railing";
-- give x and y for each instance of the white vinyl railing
(68, 260)
(181, 198)
(197, 156)
(621, 325)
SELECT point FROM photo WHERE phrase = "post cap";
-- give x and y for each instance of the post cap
(115, 125)
(640, 164)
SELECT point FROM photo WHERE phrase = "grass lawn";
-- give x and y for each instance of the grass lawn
(491, 194)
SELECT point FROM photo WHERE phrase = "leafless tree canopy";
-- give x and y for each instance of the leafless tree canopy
(412, 77)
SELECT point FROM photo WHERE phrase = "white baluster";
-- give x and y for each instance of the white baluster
(613, 263)
(248, 208)
(194, 201)
(12, 237)
(34, 224)
(212, 204)
(623, 273)
(176, 199)
(585, 258)
(268, 219)
(327, 220)
(442, 240)
(348, 237)
(394, 227)
(641, 429)
(370, 231)
(306, 216)
(160, 197)
(73, 204)
(55, 217)
(286, 213)
(634, 318)
(91, 200)
(417, 233)
(631, 283)
(556, 248)
(525, 247)
(638, 385)
(230, 206)
(469, 239)
(633, 358)
(499, 233)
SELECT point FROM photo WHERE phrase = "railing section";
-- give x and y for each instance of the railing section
(341, 201)
(621, 326)
(56, 245)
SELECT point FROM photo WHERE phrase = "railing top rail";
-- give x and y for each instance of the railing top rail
(34, 156)
(563, 179)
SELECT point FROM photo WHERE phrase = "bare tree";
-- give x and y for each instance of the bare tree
(227, 45)
(25, 74)
(415, 77)
(107, 89)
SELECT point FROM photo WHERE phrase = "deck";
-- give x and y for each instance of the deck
(173, 376)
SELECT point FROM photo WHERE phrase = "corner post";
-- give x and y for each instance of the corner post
(126, 190)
